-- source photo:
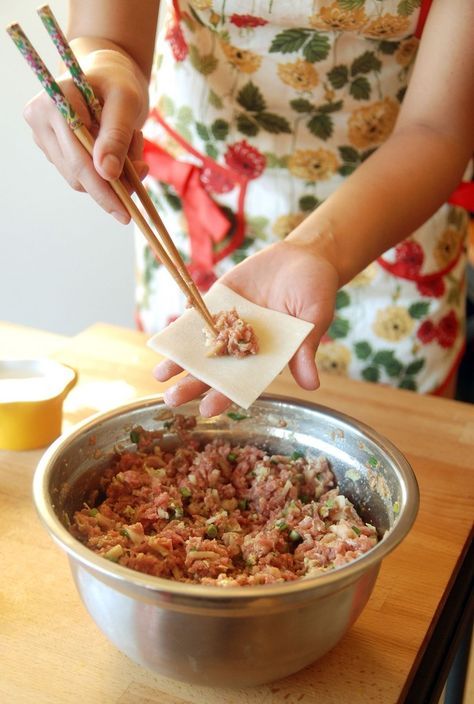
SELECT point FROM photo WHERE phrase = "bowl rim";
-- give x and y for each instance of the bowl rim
(159, 585)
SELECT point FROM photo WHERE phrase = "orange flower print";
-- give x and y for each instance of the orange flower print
(387, 27)
(333, 18)
(406, 52)
(284, 224)
(447, 247)
(300, 75)
(313, 165)
(371, 125)
(243, 60)
(334, 358)
(393, 323)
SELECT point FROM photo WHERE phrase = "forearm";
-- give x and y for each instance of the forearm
(128, 26)
(386, 199)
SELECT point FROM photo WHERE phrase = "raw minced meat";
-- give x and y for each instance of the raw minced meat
(234, 336)
(222, 514)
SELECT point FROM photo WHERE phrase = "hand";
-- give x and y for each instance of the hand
(286, 277)
(116, 82)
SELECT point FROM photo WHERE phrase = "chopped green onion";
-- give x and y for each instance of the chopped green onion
(93, 512)
(281, 524)
(294, 536)
(114, 553)
(135, 436)
(296, 455)
(185, 492)
(329, 503)
(373, 461)
(305, 499)
(177, 511)
(243, 504)
(231, 457)
(237, 416)
(396, 507)
(356, 530)
(211, 531)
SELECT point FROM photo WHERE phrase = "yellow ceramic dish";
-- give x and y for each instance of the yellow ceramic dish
(31, 401)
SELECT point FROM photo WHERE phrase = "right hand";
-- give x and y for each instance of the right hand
(122, 90)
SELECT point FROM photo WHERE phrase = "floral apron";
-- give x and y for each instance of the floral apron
(260, 110)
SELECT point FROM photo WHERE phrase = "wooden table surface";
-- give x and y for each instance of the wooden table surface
(51, 652)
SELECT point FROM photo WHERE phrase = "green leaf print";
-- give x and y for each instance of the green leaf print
(360, 88)
(246, 125)
(289, 40)
(338, 76)
(365, 63)
(394, 368)
(419, 310)
(170, 197)
(317, 48)
(257, 226)
(166, 106)
(383, 357)
(351, 4)
(321, 126)
(415, 367)
(388, 47)
(250, 98)
(371, 374)
(308, 203)
(215, 100)
(401, 93)
(365, 155)
(331, 107)
(184, 131)
(220, 129)
(342, 299)
(363, 350)
(202, 131)
(275, 124)
(349, 154)
(211, 151)
(204, 63)
(408, 383)
(347, 169)
(338, 328)
(185, 115)
(407, 7)
(302, 105)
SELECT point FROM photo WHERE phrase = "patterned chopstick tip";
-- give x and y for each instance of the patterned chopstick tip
(50, 86)
(69, 59)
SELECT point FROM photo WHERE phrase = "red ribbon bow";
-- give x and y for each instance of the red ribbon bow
(206, 222)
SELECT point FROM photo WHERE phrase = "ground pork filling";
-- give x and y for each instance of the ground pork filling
(234, 336)
(222, 514)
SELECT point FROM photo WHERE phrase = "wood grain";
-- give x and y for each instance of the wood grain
(52, 652)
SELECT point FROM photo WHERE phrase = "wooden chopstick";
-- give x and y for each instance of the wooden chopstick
(174, 263)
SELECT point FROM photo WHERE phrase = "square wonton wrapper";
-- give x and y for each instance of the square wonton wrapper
(240, 379)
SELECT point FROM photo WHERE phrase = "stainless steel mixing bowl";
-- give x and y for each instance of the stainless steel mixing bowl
(241, 635)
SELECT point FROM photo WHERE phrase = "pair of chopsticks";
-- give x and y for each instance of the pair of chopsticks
(165, 250)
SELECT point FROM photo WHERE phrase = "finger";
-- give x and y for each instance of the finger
(135, 153)
(303, 364)
(166, 369)
(77, 167)
(116, 132)
(213, 404)
(184, 390)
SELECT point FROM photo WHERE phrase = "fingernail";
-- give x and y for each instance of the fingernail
(168, 398)
(121, 217)
(111, 164)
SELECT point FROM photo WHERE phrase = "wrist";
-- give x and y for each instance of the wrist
(318, 239)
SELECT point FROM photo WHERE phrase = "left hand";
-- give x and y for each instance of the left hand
(286, 277)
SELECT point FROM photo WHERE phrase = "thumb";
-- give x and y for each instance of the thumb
(115, 135)
(303, 363)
